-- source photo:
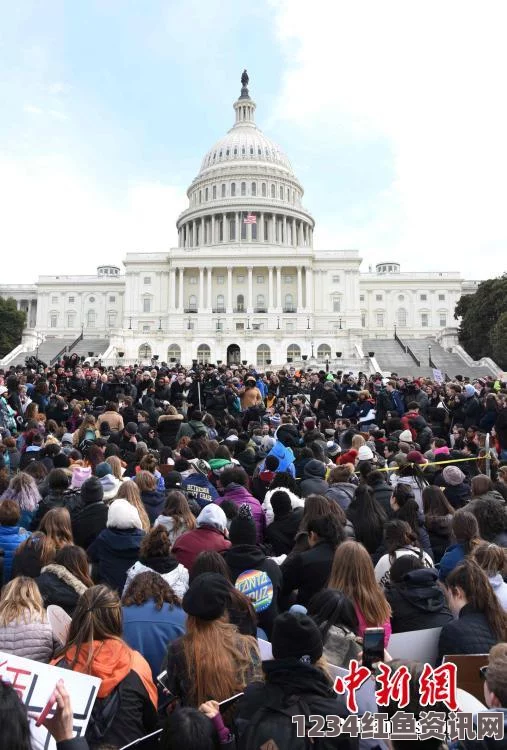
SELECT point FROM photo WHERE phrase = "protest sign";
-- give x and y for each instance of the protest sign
(438, 376)
(34, 682)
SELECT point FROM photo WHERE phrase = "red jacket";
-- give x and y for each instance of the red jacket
(187, 546)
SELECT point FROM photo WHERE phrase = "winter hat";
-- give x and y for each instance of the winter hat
(415, 457)
(347, 458)
(207, 596)
(453, 476)
(172, 481)
(91, 491)
(406, 437)
(443, 451)
(102, 469)
(61, 461)
(212, 515)
(79, 475)
(296, 636)
(469, 391)
(67, 438)
(267, 443)
(123, 515)
(275, 420)
(309, 424)
(242, 529)
(200, 465)
(131, 428)
(332, 448)
(281, 502)
(365, 453)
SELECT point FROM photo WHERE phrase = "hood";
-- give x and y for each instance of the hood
(123, 515)
(110, 485)
(112, 660)
(122, 540)
(496, 581)
(314, 469)
(66, 576)
(418, 422)
(244, 557)
(284, 455)
(295, 677)
(420, 588)
(159, 564)
(212, 515)
(440, 525)
(295, 500)
(152, 499)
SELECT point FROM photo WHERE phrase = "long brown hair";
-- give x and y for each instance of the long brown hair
(41, 544)
(130, 491)
(74, 559)
(465, 530)
(217, 658)
(88, 423)
(354, 575)
(177, 508)
(479, 593)
(97, 617)
(56, 524)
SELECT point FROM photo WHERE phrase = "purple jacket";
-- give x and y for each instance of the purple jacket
(239, 495)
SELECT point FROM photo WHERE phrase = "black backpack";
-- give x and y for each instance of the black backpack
(272, 726)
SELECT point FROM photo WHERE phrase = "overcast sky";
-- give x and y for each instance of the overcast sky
(392, 113)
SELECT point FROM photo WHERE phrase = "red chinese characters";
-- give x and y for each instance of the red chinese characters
(393, 687)
(439, 685)
(351, 682)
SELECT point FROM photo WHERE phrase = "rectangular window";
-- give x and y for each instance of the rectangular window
(260, 279)
(288, 279)
(220, 279)
(380, 320)
(441, 297)
(54, 300)
(147, 279)
(289, 327)
(361, 298)
(192, 279)
(424, 320)
(70, 320)
(71, 300)
(443, 320)
(240, 279)
(214, 191)
(240, 326)
(336, 279)
(112, 298)
(146, 305)
(378, 297)
(146, 328)
(423, 297)
(363, 320)
(223, 190)
(53, 321)
(336, 305)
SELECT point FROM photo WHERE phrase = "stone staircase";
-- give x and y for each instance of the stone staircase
(49, 348)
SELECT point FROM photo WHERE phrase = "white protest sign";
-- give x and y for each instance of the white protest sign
(34, 682)
(438, 376)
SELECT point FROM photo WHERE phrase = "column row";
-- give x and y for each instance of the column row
(233, 227)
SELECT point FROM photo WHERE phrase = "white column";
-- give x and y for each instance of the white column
(200, 305)
(272, 235)
(299, 303)
(279, 288)
(181, 304)
(270, 288)
(213, 229)
(224, 226)
(229, 289)
(209, 301)
(172, 289)
(285, 231)
(294, 233)
(260, 228)
(309, 289)
(249, 308)
(237, 216)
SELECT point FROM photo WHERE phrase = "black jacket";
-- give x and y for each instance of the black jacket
(418, 602)
(243, 557)
(286, 679)
(439, 532)
(59, 586)
(313, 479)
(383, 493)
(115, 551)
(308, 571)
(154, 503)
(68, 499)
(87, 523)
(281, 533)
(469, 634)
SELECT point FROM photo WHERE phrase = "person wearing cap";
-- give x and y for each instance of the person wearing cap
(210, 534)
(234, 483)
(245, 555)
(197, 486)
(126, 440)
(314, 482)
(212, 661)
(90, 517)
(453, 482)
(295, 683)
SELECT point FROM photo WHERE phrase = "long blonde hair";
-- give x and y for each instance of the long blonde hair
(354, 575)
(218, 659)
(115, 463)
(130, 492)
(21, 601)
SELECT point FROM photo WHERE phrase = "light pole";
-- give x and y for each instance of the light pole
(429, 355)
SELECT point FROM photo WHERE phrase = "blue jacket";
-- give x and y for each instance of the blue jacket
(285, 456)
(149, 630)
(154, 503)
(115, 551)
(198, 487)
(451, 557)
(10, 539)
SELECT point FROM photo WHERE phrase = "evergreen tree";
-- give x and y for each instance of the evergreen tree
(12, 322)
(483, 329)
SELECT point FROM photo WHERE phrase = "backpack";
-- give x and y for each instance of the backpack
(272, 726)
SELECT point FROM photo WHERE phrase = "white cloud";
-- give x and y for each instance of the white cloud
(32, 110)
(428, 78)
(54, 220)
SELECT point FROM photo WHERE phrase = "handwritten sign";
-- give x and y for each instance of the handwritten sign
(34, 682)
(438, 376)
(257, 585)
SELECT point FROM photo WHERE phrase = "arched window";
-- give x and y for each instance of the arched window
(200, 196)
(324, 351)
(263, 190)
(223, 190)
(174, 353)
(293, 352)
(220, 303)
(254, 188)
(192, 303)
(203, 354)
(263, 354)
(144, 351)
(289, 303)
(240, 303)
(273, 191)
(281, 192)
(401, 317)
(233, 189)
(90, 319)
(206, 194)
(232, 228)
(243, 188)
(214, 191)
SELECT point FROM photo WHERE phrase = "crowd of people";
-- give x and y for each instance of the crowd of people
(181, 517)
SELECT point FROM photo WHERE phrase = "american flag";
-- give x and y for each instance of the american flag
(250, 219)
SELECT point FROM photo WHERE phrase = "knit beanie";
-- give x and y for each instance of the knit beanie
(242, 530)
(123, 515)
(91, 491)
(469, 391)
(406, 437)
(296, 636)
(415, 457)
(365, 453)
(61, 461)
(453, 476)
(207, 597)
(102, 469)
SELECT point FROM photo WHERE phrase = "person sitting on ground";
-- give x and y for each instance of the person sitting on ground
(234, 482)
(341, 486)
(197, 485)
(24, 627)
(438, 513)
(155, 555)
(90, 517)
(399, 540)
(63, 581)
(11, 534)
(152, 499)
(176, 516)
(465, 535)
(336, 618)
(23, 489)
(210, 534)
(281, 533)
(492, 559)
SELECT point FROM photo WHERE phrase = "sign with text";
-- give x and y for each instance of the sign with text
(34, 682)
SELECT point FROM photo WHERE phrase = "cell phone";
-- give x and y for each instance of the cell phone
(229, 701)
(162, 680)
(373, 646)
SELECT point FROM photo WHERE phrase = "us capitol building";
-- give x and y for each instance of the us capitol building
(244, 284)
